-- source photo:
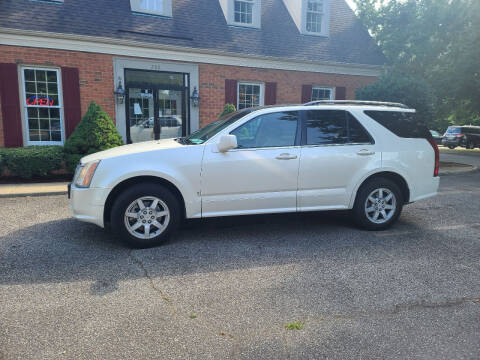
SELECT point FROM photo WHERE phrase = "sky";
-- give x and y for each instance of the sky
(351, 4)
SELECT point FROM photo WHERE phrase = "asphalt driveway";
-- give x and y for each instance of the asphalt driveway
(226, 288)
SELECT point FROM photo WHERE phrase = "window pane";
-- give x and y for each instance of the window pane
(52, 76)
(30, 87)
(243, 11)
(56, 136)
(314, 16)
(34, 135)
(321, 94)
(33, 123)
(270, 130)
(52, 88)
(326, 127)
(402, 124)
(248, 96)
(41, 76)
(29, 75)
(358, 135)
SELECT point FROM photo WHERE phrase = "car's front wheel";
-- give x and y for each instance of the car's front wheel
(378, 204)
(145, 215)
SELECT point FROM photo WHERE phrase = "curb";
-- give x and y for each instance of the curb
(459, 171)
(33, 194)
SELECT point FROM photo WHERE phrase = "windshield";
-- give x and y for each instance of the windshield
(434, 133)
(453, 130)
(205, 133)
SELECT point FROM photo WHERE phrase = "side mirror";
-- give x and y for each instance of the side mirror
(227, 142)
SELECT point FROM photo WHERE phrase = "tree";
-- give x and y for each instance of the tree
(436, 40)
(402, 88)
(95, 132)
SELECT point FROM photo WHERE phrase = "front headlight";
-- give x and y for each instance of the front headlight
(85, 174)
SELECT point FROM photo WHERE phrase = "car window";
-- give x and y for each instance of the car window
(402, 124)
(268, 130)
(356, 132)
(325, 127)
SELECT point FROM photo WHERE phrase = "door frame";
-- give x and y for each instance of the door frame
(155, 88)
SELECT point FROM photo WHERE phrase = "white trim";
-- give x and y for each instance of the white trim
(330, 88)
(24, 113)
(262, 91)
(91, 44)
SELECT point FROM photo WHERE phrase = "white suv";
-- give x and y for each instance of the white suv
(371, 158)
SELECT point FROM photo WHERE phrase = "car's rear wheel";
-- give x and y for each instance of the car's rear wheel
(469, 145)
(451, 147)
(378, 204)
(145, 215)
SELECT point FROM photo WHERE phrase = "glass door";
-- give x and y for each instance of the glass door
(157, 105)
(170, 113)
(141, 114)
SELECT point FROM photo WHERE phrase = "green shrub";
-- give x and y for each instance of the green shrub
(96, 132)
(27, 162)
(227, 109)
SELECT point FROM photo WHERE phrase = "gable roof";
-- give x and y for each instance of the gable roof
(200, 24)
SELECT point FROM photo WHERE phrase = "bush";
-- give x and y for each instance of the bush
(27, 162)
(96, 132)
(227, 109)
(403, 88)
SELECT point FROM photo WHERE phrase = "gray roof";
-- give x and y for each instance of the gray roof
(201, 24)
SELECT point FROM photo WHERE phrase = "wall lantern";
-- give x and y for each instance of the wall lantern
(120, 92)
(195, 97)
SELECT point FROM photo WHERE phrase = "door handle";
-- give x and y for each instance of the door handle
(365, 152)
(286, 156)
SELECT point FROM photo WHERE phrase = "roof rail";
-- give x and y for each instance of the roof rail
(356, 102)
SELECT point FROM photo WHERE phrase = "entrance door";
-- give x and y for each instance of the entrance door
(157, 104)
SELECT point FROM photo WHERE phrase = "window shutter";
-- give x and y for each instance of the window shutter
(340, 93)
(71, 99)
(306, 93)
(9, 93)
(231, 92)
(270, 93)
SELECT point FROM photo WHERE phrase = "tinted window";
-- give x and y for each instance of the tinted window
(357, 133)
(403, 124)
(325, 127)
(269, 130)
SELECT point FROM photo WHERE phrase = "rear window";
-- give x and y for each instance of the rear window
(402, 124)
(454, 130)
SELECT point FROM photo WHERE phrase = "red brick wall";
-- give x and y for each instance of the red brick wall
(96, 72)
(289, 85)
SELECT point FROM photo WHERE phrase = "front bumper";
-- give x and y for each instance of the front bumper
(452, 142)
(87, 204)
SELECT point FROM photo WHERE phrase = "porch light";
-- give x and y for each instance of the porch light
(120, 92)
(195, 97)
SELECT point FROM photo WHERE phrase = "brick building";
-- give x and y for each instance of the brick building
(56, 56)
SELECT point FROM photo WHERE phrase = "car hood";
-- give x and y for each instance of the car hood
(130, 149)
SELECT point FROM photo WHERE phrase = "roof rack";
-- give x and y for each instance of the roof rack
(356, 102)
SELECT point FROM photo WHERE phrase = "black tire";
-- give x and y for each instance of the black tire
(124, 202)
(365, 190)
(451, 147)
(469, 145)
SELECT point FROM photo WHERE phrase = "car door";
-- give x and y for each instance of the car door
(260, 175)
(336, 153)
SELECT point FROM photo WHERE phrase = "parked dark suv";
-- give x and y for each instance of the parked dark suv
(465, 136)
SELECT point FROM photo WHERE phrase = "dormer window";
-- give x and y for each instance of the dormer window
(153, 7)
(245, 13)
(314, 16)
(310, 16)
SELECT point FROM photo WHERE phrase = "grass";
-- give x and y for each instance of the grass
(294, 326)
(193, 316)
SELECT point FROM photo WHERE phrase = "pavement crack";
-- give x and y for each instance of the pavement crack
(155, 288)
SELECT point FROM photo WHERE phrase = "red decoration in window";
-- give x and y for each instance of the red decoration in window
(40, 100)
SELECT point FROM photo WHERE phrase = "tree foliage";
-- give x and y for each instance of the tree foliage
(96, 132)
(227, 109)
(434, 40)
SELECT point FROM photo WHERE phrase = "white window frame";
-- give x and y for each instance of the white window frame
(262, 91)
(25, 126)
(252, 2)
(329, 88)
(325, 19)
(136, 6)
(228, 7)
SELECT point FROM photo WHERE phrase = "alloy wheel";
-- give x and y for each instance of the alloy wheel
(147, 217)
